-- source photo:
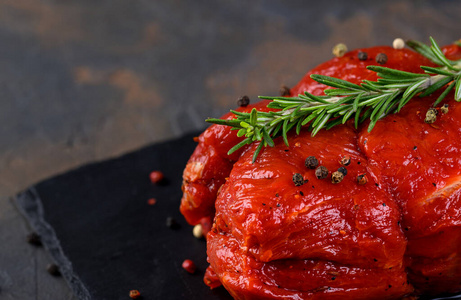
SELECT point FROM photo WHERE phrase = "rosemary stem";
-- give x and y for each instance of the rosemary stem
(433, 80)
(371, 100)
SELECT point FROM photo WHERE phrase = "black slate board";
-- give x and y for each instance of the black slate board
(98, 227)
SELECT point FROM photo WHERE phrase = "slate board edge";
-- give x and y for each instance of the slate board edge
(30, 206)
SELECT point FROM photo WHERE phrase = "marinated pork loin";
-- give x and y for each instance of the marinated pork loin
(394, 233)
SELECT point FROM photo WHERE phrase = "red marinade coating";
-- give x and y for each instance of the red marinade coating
(272, 239)
(353, 229)
(419, 165)
(208, 167)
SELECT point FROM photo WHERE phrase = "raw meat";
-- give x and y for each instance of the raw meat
(396, 236)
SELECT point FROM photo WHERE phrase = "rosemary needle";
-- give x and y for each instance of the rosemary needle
(371, 100)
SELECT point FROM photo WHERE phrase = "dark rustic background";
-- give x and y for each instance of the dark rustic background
(85, 80)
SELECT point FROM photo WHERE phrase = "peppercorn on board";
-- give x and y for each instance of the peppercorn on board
(387, 229)
(107, 237)
(107, 240)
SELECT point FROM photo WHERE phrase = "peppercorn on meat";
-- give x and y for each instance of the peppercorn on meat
(387, 225)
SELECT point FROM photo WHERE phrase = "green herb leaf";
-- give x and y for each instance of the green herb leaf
(239, 145)
(444, 93)
(438, 53)
(256, 153)
(344, 100)
(458, 89)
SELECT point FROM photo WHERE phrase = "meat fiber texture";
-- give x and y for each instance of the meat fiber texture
(397, 236)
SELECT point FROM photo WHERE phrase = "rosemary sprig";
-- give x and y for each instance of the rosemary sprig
(371, 100)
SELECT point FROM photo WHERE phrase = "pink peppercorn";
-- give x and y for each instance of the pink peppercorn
(156, 177)
(189, 266)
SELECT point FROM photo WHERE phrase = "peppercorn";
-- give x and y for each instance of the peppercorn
(198, 231)
(189, 266)
(362, 55)
(345, 160)
(243, 101)
(135, 294)
(156, 177)
(34, 239)
(444, 108)
(362, 179)
(339, 50)
(172, 223)
(398, 43)
(53, 269)
(381, 58)
(298, 179)
(311, 162)
(321, 172)
(337, 177)
(284, 91)
(342, 170)
(431, 115)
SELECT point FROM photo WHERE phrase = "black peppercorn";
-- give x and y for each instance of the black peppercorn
(342, 170)
(284, 91)
(362, 179)
(298, 179)
(311, 162)
(243, 101)
(171, 223)
(381, 58)
(345, 160)
(321, 172)
(34, 239)
(337, 177)
(53, 269)
(362, 55)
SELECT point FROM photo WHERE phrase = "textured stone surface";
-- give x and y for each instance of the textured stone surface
(87, 80)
